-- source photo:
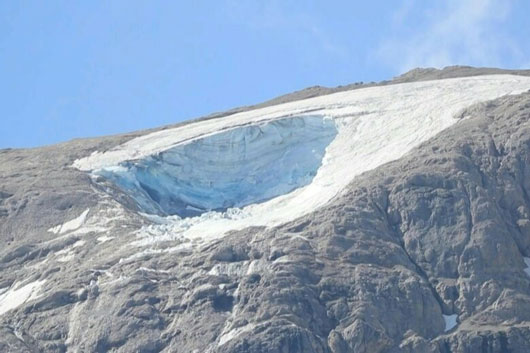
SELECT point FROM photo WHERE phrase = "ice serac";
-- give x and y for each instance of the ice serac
(233, 168)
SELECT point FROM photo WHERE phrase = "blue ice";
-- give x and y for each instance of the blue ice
(233, 168)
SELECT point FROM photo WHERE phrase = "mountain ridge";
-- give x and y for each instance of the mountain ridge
(414, 75)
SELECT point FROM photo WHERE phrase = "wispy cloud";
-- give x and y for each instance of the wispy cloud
(458, 32)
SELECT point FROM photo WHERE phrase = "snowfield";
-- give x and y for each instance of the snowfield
(14, 297)
(219, 169)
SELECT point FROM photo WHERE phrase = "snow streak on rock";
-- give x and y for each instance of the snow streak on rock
(18, 295)
(70, 225)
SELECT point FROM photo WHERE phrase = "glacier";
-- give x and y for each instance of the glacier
(374, 126)
(233, 168)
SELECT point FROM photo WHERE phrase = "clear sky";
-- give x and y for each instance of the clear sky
(87, 68)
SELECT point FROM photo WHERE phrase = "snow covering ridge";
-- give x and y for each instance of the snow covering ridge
(374, 126)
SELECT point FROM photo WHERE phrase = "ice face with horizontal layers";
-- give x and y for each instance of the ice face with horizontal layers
(374, 126)
(233, 168)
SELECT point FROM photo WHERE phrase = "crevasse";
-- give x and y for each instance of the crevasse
(233, 168)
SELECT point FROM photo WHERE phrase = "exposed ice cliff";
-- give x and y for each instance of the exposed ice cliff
(232, 168)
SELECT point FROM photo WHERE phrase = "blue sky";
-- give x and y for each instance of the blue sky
(87, 68)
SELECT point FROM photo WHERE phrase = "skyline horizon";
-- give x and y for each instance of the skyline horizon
(74, 70)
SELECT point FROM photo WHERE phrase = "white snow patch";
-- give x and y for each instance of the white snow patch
(18, 334)
(18, 295)
(121, 278)
(527, 262)
(232, 269)
(450, 321)
(104, 219)
(78, 244)
(375, 125)
(68, 254)
(257, 266)
(147, 269)
(230, 335)
(38, 265)
(99, 221)
(282, 259)
(238, 269)
(104, 238)
(70, 225)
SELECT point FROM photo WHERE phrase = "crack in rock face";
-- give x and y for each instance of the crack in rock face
(233, 168)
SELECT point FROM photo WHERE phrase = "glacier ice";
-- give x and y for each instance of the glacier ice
(375, 125)
(233, 168)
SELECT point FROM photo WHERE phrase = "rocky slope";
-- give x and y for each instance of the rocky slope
(423, 254)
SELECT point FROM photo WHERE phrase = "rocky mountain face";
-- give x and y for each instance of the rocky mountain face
(427, 253)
